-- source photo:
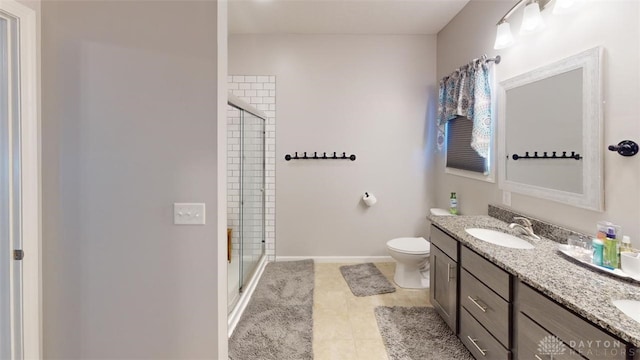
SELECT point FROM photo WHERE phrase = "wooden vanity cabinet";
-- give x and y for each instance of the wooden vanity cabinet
(532, 339)
(581, 339)
(485, 307)
(443, 290)
(498, 317)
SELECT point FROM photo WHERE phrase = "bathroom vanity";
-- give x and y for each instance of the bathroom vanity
(506, 303)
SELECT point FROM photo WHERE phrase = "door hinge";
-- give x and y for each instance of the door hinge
(18, 254)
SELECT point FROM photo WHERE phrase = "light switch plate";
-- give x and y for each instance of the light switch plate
(189, 214)
(506, 198)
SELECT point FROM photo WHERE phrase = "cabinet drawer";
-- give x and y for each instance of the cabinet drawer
(444, 242)
(491, 275)
(585, 338)
(536, 343)
(486, 306)
(478, 340)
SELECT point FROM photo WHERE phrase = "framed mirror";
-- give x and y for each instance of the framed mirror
(550, 132)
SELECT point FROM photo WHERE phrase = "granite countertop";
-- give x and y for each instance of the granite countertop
(586, 291)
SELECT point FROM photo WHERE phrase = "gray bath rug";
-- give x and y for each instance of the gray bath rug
(418, 333)
(366, 279)
(278, 321)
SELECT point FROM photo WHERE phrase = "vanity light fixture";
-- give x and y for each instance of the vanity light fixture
(504, 38)
(532, 20)
(565, 6)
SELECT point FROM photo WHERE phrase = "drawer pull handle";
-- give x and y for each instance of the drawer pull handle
(473, 341)
(537, 357)
(448, 272)
(475, 302)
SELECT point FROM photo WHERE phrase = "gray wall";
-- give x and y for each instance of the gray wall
(129, 128)
(613, 25)
(366, 95)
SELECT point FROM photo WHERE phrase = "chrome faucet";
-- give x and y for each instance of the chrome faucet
(527, 228)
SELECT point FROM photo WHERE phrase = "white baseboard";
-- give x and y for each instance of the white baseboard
(337, 259)
(236, 313)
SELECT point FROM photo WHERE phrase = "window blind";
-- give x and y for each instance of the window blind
(460, 155)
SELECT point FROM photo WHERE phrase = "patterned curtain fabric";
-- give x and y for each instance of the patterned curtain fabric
(466, 92)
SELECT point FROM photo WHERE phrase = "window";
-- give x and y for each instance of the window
(460, 155)
(465, 120)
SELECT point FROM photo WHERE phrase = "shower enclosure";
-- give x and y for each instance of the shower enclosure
(245, 195)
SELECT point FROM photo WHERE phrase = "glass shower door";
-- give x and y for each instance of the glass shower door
(252, 195)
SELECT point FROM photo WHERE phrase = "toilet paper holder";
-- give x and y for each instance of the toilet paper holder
(369, 199)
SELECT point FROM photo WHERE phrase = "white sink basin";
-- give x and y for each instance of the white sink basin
(499, 238)
(630, 307)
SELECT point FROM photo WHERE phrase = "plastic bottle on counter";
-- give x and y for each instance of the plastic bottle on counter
(602, 227)
(453, 204)
(626, 244)
(598, 247)
(611, 254)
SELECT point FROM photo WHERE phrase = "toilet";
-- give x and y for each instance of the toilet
(412, 258)
(412, 261)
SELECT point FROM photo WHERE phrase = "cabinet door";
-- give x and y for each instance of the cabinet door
(444, 280)
(584, 337)
(536, 343)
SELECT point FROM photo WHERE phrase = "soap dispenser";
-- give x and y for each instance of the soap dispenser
(453, 204)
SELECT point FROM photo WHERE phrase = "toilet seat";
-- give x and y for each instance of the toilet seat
(410, 245)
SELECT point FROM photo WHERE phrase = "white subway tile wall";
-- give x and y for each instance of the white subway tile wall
(260, 92)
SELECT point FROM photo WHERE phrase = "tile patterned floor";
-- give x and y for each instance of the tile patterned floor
(344, 326)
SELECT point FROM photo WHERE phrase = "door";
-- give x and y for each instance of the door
(19, 185)
(10, 319)
(444, 286)
(252, 195)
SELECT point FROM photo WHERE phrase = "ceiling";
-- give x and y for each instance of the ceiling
(341, 16)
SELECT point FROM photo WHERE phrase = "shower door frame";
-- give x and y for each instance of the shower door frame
(245, 107)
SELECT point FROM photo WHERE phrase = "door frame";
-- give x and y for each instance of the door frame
(31, 285)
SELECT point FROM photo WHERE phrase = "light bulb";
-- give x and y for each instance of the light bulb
(504, 38)
(566, 6)
(532, 20)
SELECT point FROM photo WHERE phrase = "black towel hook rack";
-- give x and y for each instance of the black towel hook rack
(545, 155)
(324, 156)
